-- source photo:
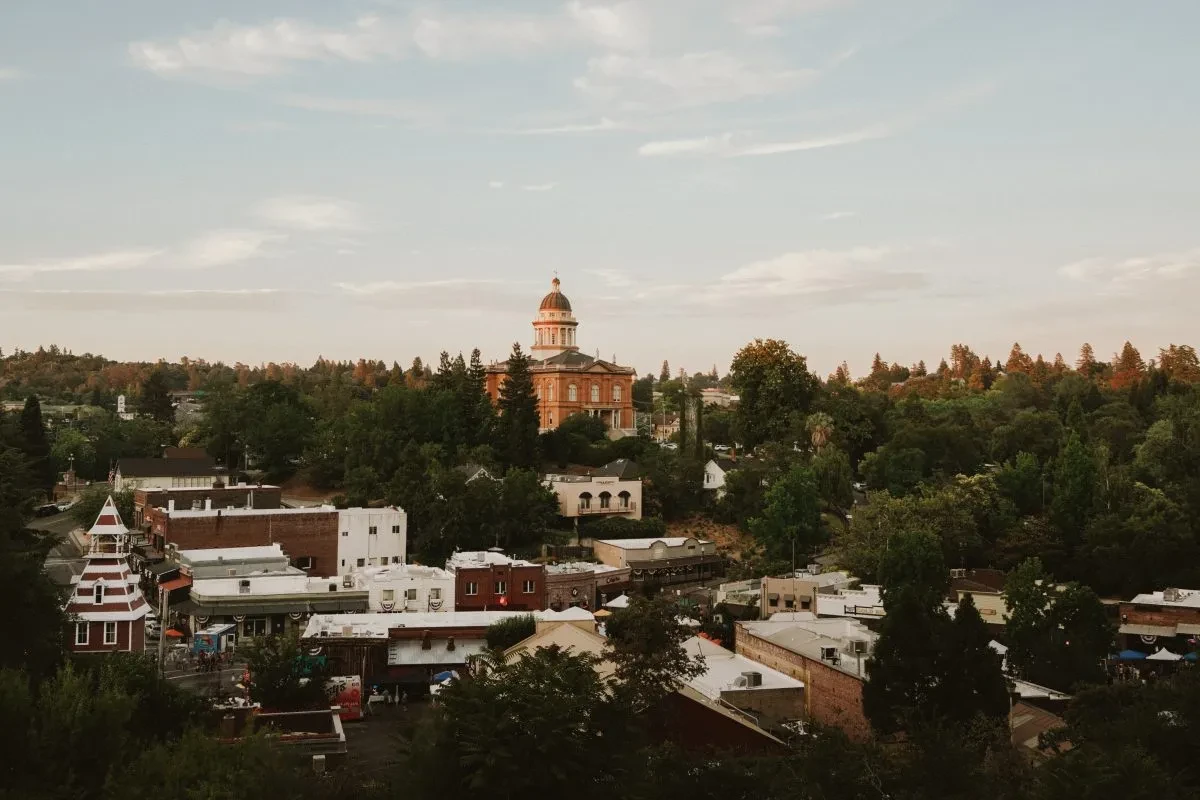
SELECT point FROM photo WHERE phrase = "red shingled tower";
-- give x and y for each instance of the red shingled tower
(107, 606)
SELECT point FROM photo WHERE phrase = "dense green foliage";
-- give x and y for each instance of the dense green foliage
(507, 632)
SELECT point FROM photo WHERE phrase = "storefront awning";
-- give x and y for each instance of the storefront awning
(1188, 628)
(1148, 630)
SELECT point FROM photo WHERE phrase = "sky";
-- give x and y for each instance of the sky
(260, 180)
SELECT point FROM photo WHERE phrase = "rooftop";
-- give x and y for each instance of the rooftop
(220, 554)
(267, 584)
(194, 489)
(396, 572)
(187, 513)
(484, 558)
(813, 638)
(644, 544)
(577, 566)
(376, 626)
(168, 467)
(722, 670)
(1180, 598)
(862, 602)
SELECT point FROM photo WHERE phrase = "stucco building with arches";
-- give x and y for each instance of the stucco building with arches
(568, 382)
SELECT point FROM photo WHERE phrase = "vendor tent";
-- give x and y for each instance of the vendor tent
(1130, 655)
(1163, 654)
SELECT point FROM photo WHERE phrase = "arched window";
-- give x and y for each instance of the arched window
(623, 500)
(616, 392)
(572, 393)
(595, 393)
(605, 499)
(585, 500)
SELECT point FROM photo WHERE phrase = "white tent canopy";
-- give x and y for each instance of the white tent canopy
(618, 602)
(1163, 654)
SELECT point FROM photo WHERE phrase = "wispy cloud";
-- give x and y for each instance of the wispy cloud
(10, 74)
(1125, 275)
(734, 145)
(539, 187)
(259, 126)
(495, 184)
(647, 82)
(222, 247)
(232, 51)
(605, 124)
(150, 301)
(311, 213)
(614, 278)
(763, 17)
(462, 296)
(99, 262)
(360, 106)
(833, 216)
(744, 144)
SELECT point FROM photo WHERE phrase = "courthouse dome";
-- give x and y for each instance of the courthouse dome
(556, 300)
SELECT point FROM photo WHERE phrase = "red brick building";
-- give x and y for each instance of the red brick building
(107, 606)
(822, 654)
(568, 382)
(491, 581)
(241, 495)
(1162, 619)
(308, 535)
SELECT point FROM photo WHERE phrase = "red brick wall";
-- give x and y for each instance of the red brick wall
(488, 600)
(264, 497)
(314, 535)
(558, 590)
(1157, 615)
(695, 727)
(831, 697)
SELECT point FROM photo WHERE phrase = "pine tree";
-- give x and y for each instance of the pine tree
(714, 374)
(517, 428)
(665, 374)
(1018, 360)
(920, 371)
(970, 678)
(1060, 366)
(1128, 367)
(156, 398)
(1086, 364)
(36, 446)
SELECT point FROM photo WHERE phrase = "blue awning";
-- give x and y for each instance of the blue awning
(1130, 655)
(442, 676)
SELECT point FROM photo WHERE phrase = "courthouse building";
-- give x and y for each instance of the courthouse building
(567, 381)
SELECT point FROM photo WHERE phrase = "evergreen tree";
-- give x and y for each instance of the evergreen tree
(1128, 367)
(36, 447)
(1075, 492)
(517, 428)
(1086, 363)
(155, 401)
(970, 679)
(665, 374)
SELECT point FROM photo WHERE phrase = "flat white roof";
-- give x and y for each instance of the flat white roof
(182, 513)
(722, 668)
(266, 585)
(397, 572)
(484, 558)
(187, 513)
(1188, 598)
(578, 566)
(232, 553)
(642, 544)
(375, 626)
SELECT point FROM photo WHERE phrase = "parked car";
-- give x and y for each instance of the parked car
(48, 510)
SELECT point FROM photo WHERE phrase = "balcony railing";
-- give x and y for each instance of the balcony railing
(596, 508)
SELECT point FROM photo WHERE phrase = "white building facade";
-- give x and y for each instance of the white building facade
(371, 537)
(407, 588)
